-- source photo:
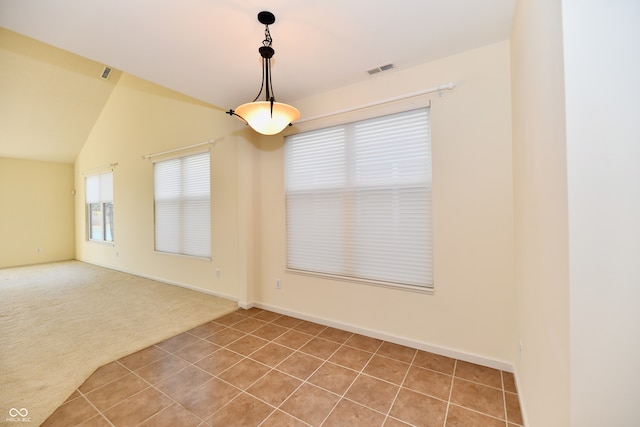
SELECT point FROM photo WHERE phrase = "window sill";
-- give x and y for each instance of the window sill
(389, 285)
(195, 257)
(101, 242)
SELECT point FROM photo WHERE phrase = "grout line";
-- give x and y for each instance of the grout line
(453, 375)
(393, 402)
(504, 399)
(96, 408)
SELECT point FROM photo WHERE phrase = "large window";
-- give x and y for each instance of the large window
(358, 200)
(99, 202)
(182, 199)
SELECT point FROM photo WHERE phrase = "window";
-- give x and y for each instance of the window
(182, 199)
(358, 200)
(99, 201)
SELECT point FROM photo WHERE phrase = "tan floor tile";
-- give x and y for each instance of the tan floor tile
(387, 369)
(267, 316)
(351, 357)
(462, 417)
(104, 375)
(293, 339)
(509, 382)
(280, 419)
(364, 343)
(115, 392)
(272, 354)
(143, 357)
(396, 351)
(174, 415)
(514, 414)
(347, 413)
(269, 331)
(178, 342)
(219, 361)
(206, 329)
(71, 413)
(244, 373)
(478, 397)
(287, 321)
(181, 383)
(197, 351)
(162, 368)
(225, 336)
(249, 325)
(97, 421)
(300, 365)
(274, 387)
(336, 335)
(418, 409)
(230, 319)
(392, 422)
(435, 362)
(209, 397)
(250, 312)
(333, 378)
(428, 382)
(310, 404)
(243, 411)
(76, 394)
(320, 348)
(372, 392)
(310, 328)
(247, 345)
(138, 407)
(479, 374)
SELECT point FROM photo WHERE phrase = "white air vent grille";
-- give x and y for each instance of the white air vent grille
(380, 69)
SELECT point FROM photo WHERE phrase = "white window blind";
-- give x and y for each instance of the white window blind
(359, 200)
(182, 195)
(99, 188)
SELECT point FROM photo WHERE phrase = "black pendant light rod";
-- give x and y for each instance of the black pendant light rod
(266, 52)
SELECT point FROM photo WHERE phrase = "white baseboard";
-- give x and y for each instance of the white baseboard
(467, 357)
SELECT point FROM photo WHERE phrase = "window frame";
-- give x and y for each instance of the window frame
(104, 203)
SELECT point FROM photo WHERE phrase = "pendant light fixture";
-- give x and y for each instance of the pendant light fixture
(267, 117)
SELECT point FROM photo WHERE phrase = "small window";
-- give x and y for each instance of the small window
(358, 200)
(99, 201)
(182, 205)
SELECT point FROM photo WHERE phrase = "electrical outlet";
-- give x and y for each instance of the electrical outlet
(278, 284)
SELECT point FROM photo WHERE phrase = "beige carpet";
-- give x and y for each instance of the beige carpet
(59, 322)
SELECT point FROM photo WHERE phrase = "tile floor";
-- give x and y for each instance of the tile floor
(258, 368)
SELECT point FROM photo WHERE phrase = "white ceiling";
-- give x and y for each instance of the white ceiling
(208, 49)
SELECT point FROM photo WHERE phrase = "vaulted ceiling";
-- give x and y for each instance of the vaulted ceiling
(208, 49)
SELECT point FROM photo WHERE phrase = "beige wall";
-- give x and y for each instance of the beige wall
(541, 223)
(36, 212)
(471, 314)
(603, 150)
(141, 118)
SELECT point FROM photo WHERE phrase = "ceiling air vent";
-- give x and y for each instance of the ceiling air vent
(105, 73)
(380, 69)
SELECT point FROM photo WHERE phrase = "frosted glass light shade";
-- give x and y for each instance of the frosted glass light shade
(258, 115)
